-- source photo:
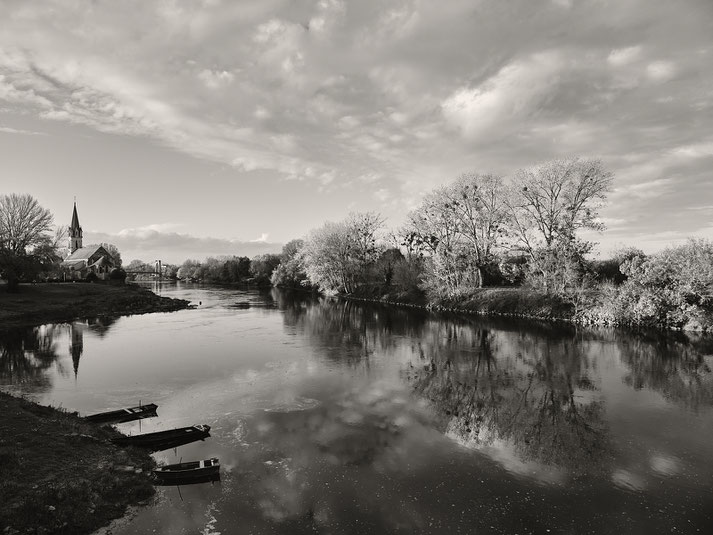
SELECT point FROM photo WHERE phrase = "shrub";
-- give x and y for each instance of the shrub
(117, 274)
(673, 288)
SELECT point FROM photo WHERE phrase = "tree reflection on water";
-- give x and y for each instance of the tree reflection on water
(530, 388)
(678, 366)
(28, 354)
(527, 390)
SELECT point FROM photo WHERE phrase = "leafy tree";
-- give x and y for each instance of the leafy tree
(673, 288)
(113, 250)
(291, 271)
(548, 205)
(433, 229)
(291, 249)
(337, 256)
(235, 269)
(188, 269)
(385, 267)
(262, 267)
(609, 270)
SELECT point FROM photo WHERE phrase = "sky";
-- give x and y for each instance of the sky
(193, 128)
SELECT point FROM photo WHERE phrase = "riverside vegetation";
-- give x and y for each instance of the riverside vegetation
(483, 243)
(491, 244)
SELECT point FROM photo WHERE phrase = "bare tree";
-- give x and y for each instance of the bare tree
(478, 202)
(433, 229)
(24, 224)
(549, 204)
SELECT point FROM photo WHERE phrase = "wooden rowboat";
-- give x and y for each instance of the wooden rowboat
(164, 440)
(123, 415)
(195, 471)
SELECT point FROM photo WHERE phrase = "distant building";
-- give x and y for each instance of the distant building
(85, 260)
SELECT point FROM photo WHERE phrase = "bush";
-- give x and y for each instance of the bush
(117, 275)
(673, 288)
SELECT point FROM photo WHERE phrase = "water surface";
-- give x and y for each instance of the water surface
(341, 417)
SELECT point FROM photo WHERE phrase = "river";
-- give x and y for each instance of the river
(337, 416)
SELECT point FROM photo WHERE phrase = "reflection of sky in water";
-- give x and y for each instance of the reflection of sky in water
(348, 418)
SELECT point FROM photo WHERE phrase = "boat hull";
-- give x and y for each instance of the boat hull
(124, 415)
(198, 470)
(164, 440)
(188, 480)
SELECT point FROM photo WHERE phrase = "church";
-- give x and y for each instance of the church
(82, 262)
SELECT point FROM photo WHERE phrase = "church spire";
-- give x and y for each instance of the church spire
(75, 219)
(75, 231)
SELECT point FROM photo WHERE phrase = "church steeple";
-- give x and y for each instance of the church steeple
(75, 232)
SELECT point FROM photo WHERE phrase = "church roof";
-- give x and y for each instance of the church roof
(85, 253)
(75, 218)
(102, 262)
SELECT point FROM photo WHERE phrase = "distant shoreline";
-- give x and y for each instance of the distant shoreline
(36, 304)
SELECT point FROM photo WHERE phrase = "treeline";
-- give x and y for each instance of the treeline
(216, 270)
(521, 237)
(494, 244)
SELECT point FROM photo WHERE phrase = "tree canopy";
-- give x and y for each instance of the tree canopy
(24, 224)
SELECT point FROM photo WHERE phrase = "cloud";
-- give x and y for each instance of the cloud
(330, 94)
(262, 239)
(508, 96)
(382, 194)
(621, 57)
(215, 79)
(695, 150)
(8, 130)
(661, 71)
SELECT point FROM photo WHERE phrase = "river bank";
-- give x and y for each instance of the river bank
(61, 474)
(515, 302)
(62, 302)
(594, 307)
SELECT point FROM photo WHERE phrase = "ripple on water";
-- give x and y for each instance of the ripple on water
(210, 528)
(628, 480)
(231, 432)
(297, 404)
(665, 465)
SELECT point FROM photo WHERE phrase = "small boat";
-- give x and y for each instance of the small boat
(164, 440)
(124, 415)
(195, 471)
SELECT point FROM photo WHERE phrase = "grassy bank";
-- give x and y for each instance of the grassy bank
(521, 302)
(45, 303)
(61, 474)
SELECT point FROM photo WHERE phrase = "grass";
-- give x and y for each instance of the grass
(515, 301)
(57, 302)
(61, 474)
(509, 301)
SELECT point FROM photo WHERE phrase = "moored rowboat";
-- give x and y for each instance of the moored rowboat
(204, 470)
(163, 440)
(124, 415)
